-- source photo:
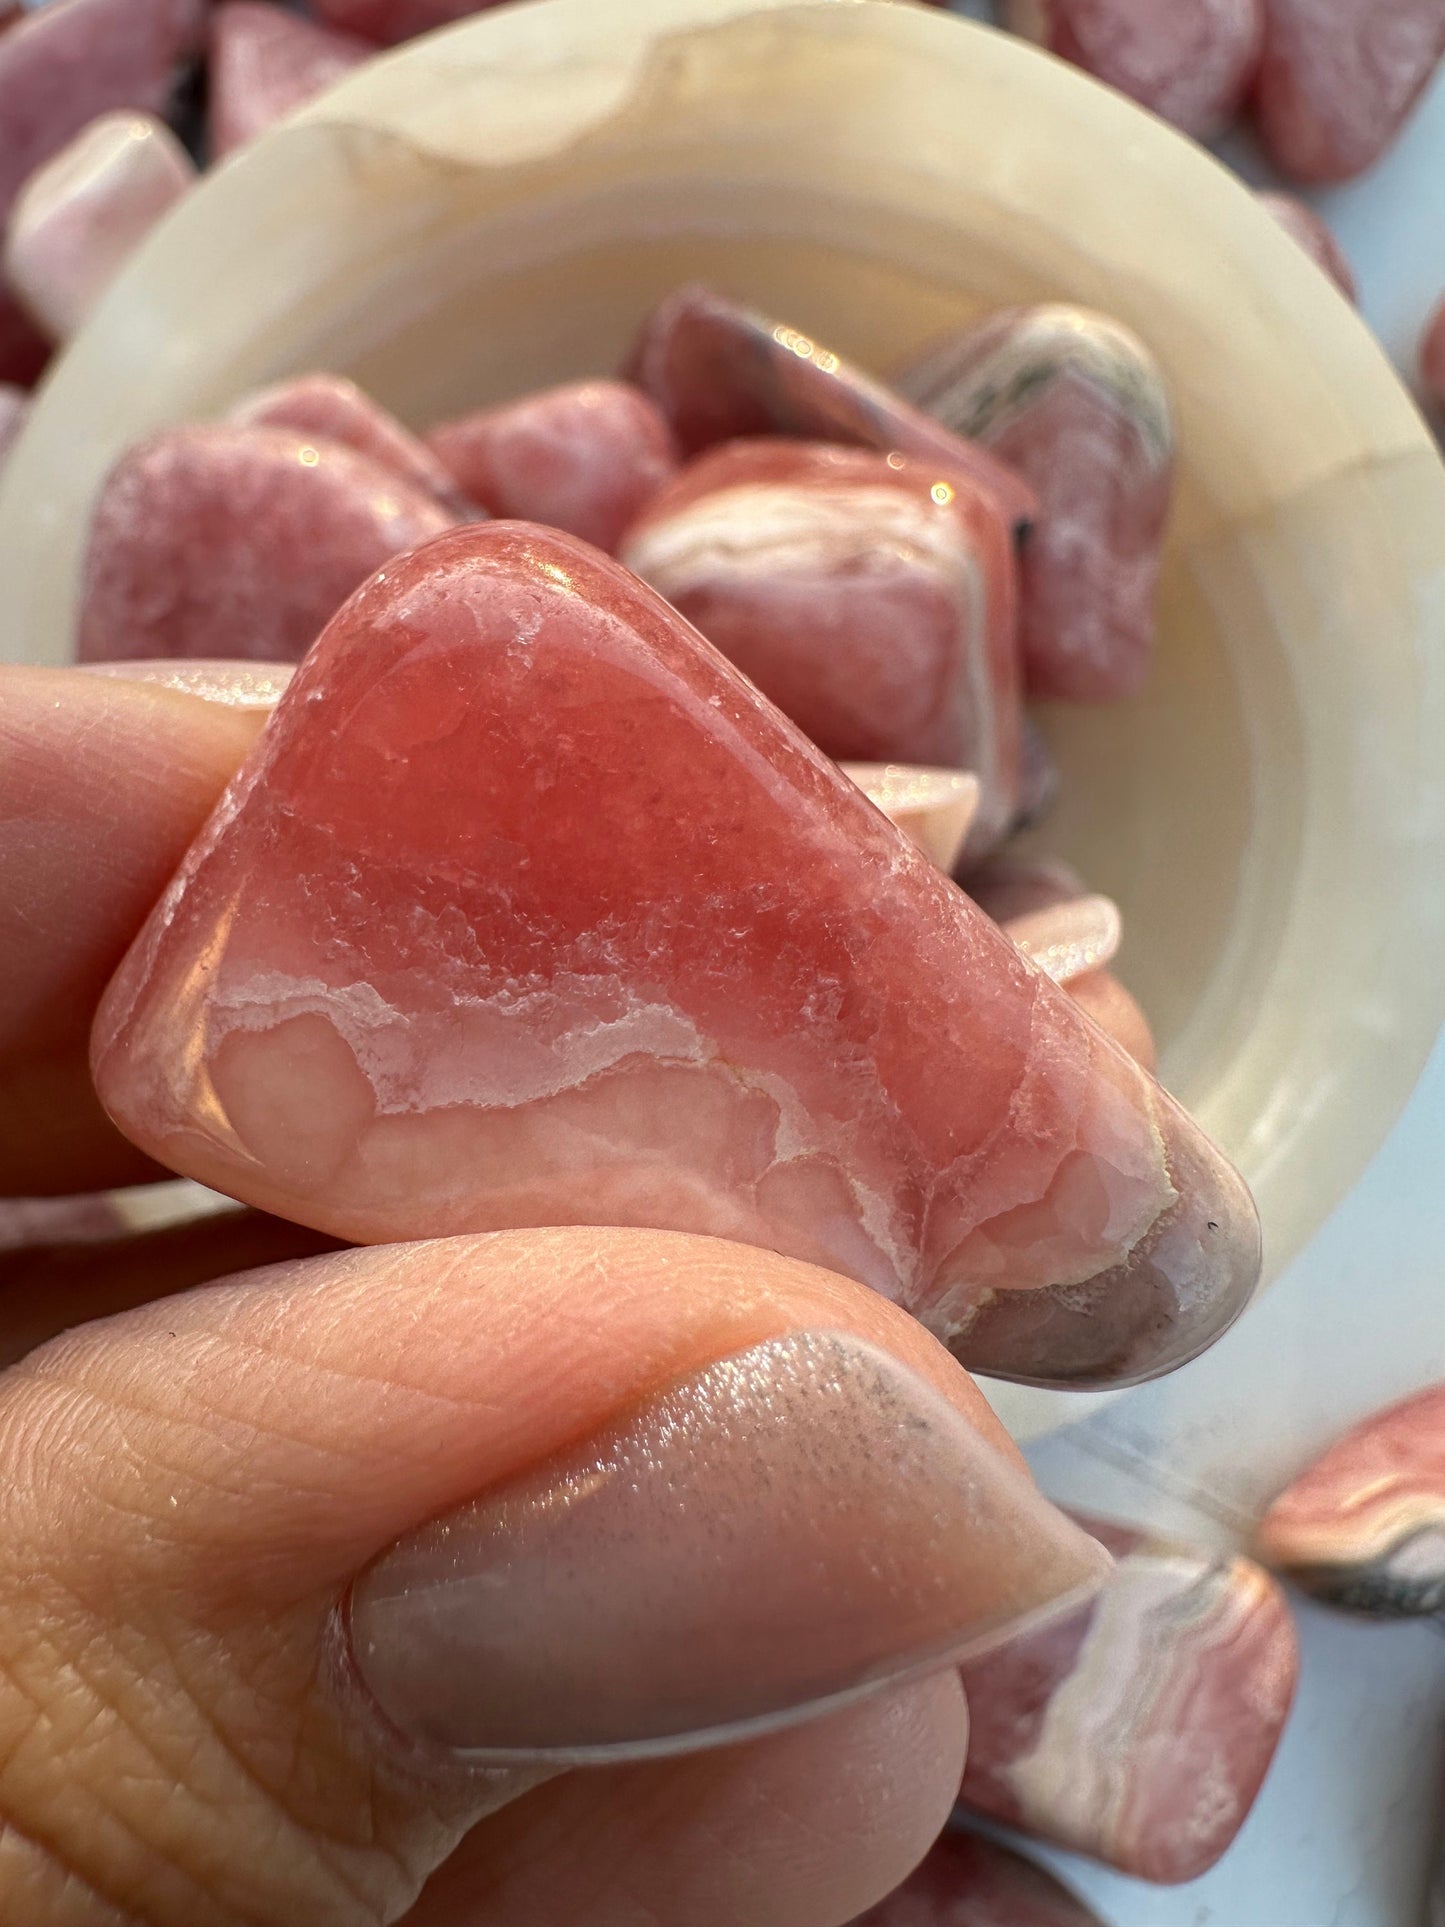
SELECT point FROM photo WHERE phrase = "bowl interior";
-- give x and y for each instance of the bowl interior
(495, 207)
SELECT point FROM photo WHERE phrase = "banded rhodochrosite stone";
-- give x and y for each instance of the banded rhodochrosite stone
(529, 909)
(932, 807)
(720, 372)
(869, 596)
(238, 542)
(1077, 405)
(336, 410)
(1300, 221)
(1138, 1729)
(265, 63)
(1338, 79)
(73, 60)
(586, 457)
(1364, 1527)
(1189, 61)
(80, 217)
(967, 1881)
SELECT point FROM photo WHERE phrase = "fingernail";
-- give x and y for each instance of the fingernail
(239, 685)
(786, 1531)
(1068, 940)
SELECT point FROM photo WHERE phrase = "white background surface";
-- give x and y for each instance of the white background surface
(1342, 1834)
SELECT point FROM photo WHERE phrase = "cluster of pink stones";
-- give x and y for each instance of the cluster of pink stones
(437, 899)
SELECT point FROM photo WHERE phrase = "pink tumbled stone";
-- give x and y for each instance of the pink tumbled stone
(967, 1881)
(720, 372)
(528, 909)
(1189, 61)
(586, 458)
(388, 21)
(14, 406)
(869, 596)
(1138, 1730)
(336, 410)
(933, 807)
(1338, 80)
(1077, 405)
(238, 542)
(80, 217)
(266, 63)
(1302, 224)
(1363, 1528)
(1432, 359)
(73, 60)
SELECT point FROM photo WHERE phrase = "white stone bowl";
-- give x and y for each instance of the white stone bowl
(495, 206)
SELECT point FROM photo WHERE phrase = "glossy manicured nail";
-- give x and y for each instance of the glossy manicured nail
(932, 807)
(786, 1531)
(239, 685)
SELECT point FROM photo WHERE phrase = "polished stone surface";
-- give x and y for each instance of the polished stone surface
(720, 371)
(1339, 79)
(586, 458)
(336, 410)
(80, 217)
(431, 968)
(238, 542)
(265, 63)
(870, 597)
(1363, 1527)
(1077, 405)
(1138, 1730)
(1189, 61)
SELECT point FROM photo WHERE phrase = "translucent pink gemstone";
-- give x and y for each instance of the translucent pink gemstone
(1139, 1729)
(1190, 61)
(74, 60)
(869, 596)
(1302, 224)
(80, 217)
(266, 63)
(719, 372)
(529, 909)
(391, 20)
(336, 410)
(238, 542)
(1338, 80)
(970, 1882)
(1077, 405)
(1364, 1527)
(1432, 359)
(586, 458)
(14, 406)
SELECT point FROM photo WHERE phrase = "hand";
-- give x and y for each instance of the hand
(685, 1488)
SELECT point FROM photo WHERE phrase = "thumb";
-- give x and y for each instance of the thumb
(305, 1573)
